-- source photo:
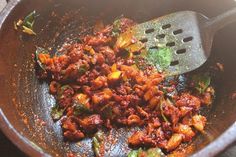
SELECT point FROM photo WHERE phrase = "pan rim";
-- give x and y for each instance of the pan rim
(20, 141)
(24, 144)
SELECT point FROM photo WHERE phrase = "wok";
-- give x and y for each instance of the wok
(25, 102)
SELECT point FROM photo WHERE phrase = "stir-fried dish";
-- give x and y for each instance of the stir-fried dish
(106, 81)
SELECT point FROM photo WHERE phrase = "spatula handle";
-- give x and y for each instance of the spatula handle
(222, 20)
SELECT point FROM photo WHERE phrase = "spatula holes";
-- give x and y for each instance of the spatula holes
(178, 31)
(170, 44)
(144, 40)
(181, 51)
(166, 26)
(188, 39)
(154, 48)
(160, 36)
(174, 63)
(149, 30)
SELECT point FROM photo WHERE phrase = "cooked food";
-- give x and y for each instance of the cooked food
(108, 80)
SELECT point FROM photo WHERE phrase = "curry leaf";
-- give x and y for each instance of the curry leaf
(155, 152)
(124, 40)
(152, 152)
(28, 31)
(38, 51)
(82, 69)
(56, 113)
(62, 90)
(80, 109)
(136, 47)
(107, 111)
(81, 104)
(140, 61)
(161, 58)
(135, 153)
(201, 82)
(98, 142)
(116, 26)
(28, 23)
(162, 110)
(29, 20)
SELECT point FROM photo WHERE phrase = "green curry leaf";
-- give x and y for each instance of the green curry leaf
(201, 82)
(62, 90)
(28, 23)
(135, 153)
(56, 112)
(116, 27)
(155, 152)
(82, 69)
(80, 109)
(29, 20)
(107, 111)
(162, 110)
(152, 152)
(98, 141)
(38, 51)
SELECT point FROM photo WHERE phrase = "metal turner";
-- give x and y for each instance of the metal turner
(189, 35)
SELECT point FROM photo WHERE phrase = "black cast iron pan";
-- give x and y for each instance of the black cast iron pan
(25, 102)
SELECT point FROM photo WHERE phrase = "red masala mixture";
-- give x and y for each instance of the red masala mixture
(97, 83)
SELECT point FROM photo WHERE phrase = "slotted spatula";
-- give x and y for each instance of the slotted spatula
(189, 35)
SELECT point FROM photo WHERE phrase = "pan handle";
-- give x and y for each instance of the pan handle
(222, 20)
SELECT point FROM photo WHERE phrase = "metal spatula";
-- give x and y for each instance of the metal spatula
(188, 34)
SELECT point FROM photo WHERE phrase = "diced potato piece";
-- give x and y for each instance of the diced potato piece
(140, 138)
(99, 82)
(130, 71)
(199, 122)
(114, 76)
(43, 57)
(186, 131)
(124, 40)
(153, 103)
(82, 98)
(114, 68)
(134, 120)
(53, 87)
(150, 93)
(96, 99)
(174, 141)
(105, 95)
(89, 49)
(136, 47)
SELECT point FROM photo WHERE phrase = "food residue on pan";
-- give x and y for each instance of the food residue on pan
(107, 80)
